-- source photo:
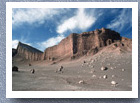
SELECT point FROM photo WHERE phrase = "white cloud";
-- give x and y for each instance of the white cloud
(50, 42)
(80, 21)
(14, 43)
(121, 21)
(30, 16)
(42, 45)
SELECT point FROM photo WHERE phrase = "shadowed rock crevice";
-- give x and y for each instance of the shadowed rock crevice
(14, 52)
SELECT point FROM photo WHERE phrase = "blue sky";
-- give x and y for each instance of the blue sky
(45, 27)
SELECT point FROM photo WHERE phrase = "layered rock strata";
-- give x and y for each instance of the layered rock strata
(28, 52)
(75, 45)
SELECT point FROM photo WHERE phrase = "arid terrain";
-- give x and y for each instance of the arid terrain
(100, 60)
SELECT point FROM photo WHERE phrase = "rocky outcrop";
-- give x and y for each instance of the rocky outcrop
(63, 49)
(28, 52)
(125, 45)
(15, 68)
(77, 45)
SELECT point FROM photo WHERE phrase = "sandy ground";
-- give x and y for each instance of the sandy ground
(77, 75)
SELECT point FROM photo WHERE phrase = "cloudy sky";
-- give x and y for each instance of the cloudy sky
(42, 28)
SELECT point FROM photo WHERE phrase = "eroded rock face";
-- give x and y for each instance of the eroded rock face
(125, 45)
(28, 52)
(76, 45)
(63, 49)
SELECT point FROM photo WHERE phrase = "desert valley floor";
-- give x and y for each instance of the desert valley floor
(82, 74)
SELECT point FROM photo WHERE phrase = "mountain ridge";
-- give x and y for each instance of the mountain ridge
(74, 46)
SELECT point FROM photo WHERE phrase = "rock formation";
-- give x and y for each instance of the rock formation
(28, 52)
(76, 45)
(15, 68)
(63, 49)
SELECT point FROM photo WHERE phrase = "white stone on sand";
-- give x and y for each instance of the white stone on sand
(103, 68)
(94, 76)
(114, 83)
(105, 76)
(81, 82)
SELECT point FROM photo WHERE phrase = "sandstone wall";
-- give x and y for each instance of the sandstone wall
(75, 45)
(64, 48)
(92, 41)
(81, 44)
(28, 52)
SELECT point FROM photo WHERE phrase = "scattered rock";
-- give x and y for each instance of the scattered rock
(103, 68)
(15, 68)
(81, 82)
(94, 76)
(60, 69)
(114, 83)
(32, 71)
(30, 64)
(111, 68)
(123, 70)
(105, 76)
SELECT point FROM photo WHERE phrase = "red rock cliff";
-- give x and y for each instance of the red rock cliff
(81, 44)
(75, 45)
(64, 48)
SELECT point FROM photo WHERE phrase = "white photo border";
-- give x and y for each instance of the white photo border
(72, 94)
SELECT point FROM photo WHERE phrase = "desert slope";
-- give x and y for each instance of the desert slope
(99, 60)
(77, 75)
